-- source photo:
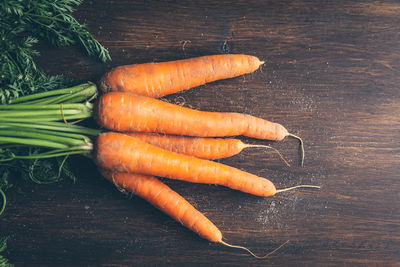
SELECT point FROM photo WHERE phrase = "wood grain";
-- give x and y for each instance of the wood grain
(332, 75)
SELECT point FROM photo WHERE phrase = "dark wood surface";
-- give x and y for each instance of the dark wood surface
(332, 76)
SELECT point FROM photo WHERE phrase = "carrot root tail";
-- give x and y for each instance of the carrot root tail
(251, 253)
(270, 147)
(297, 186)
(301, 145)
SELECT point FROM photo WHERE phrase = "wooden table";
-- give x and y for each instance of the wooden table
(332, 76)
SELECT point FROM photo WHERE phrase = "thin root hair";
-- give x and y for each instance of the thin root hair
(251, 253)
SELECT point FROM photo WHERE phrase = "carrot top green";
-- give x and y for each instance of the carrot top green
(38, 133)
(44, 121)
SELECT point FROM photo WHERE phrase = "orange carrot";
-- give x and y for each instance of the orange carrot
(127, 112)
(164, 198)
(200, 147)
(159, 79)
(168, 201)
(123, 153)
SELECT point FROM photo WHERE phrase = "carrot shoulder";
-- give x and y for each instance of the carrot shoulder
(168, 201)
(159, 79)
(122, 153)
(127, 112)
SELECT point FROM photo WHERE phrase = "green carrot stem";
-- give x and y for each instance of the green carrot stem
(32, 142)
(31, 107)
(25, 114)
(55, 100)
(3, 207)
(80, 137)
(47, 156)
(49, 93)
(73, 99)
(55, 126)
(32, 102)
(50, 155)
(37, 135)
(80, 96)
(86, 147)
(81, 115)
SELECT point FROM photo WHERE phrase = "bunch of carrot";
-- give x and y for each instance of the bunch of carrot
(148, 137)
(154, 138)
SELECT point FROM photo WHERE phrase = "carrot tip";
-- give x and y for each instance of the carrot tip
(297, 186)
(251, 253)
(274, 149)
(301, 145)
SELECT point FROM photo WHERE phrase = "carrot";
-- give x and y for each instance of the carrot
(127, 112)
(164, 198)
(159, 79)
(200, 147)
(123, 153)
(168, 201)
